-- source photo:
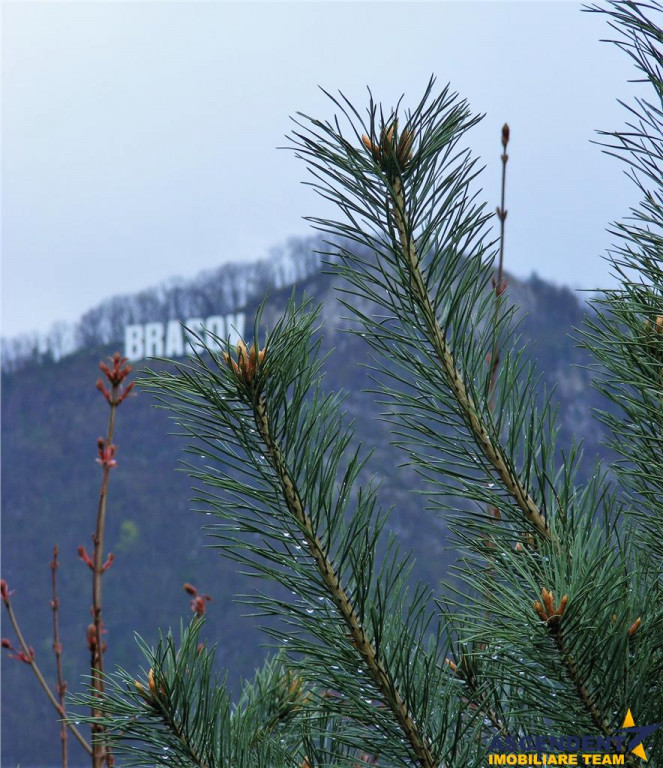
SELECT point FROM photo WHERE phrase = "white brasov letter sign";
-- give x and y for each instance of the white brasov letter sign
(171, 339)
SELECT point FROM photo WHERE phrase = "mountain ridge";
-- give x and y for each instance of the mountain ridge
(51, 416)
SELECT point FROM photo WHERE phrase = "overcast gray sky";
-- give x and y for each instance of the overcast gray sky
(140, 138)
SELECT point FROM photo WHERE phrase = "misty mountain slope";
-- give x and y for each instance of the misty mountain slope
(51, 418)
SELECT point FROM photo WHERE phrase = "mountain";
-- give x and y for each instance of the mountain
(51, 418)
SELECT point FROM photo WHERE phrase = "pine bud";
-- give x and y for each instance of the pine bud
(634, 627)
(404, 149)
(562, 605)
(141, 689)
(505, 135)
(374, 149)
(151, 683)
(367, 142)
(547, 610)
(548, 601)
(248, 362)
(390, 147)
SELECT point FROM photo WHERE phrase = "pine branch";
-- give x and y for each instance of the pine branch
(493, 452)
(625, 333)
(181, 714)
(406, 201)
(360, 640)
(553, 616)
(280, 471)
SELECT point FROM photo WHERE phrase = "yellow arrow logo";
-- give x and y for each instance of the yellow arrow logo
(638, 750)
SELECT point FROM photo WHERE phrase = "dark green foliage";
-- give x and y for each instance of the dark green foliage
(554, 622)
(553, 599)
(183, 715)
(48, 428)
(626, 334)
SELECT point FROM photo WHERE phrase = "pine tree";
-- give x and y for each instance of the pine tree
(554, 621)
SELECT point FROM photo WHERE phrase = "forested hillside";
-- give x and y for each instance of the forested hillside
(51, 418)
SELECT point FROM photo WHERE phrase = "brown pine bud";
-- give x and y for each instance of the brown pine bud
(248, 362)
(539, 609)
(404, 149)
(372, 148)
(548, 601)
(151, 682)
(141, 689)
(562, 605)
(242, 355)
(505, 135)
(634, 627)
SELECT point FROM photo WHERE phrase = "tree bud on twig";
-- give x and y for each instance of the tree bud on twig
(106, 455)
(198, 602)
(140, 688)
(104, 390)
(25, 658)
(85, 557)
(151, 683)
(118, 370)
(391, 146)
(248, 362)
(4, 591)
(547, 609)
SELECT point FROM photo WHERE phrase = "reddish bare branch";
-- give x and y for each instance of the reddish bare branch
(61, 685)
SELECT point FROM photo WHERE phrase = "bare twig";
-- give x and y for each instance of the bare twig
(61, 685)
(499, 286)
(115, 374)
(27, 656)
